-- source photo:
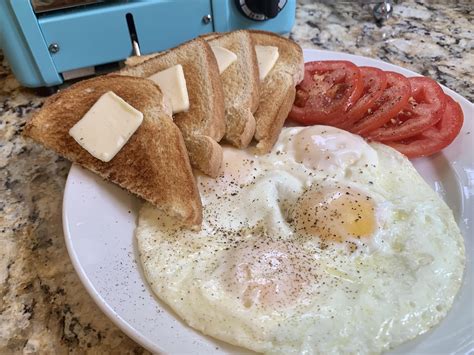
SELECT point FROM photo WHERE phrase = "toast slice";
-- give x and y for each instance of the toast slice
(153, 164)
(241, 85)
(203, 125)
(278, 88)
(139, 59)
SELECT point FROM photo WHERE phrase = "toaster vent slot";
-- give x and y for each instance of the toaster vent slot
(133, 34)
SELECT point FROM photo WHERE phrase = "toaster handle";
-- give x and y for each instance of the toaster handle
(25, 57)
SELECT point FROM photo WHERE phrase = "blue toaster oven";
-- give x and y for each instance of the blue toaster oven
(49, 41)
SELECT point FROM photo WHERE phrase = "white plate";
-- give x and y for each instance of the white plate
(99, 219)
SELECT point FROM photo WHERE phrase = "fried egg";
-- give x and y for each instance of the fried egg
(326, 245)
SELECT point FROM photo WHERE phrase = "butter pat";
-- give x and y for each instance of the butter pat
(224, 57)
(267, 56)
(173, 85)
(107, 126)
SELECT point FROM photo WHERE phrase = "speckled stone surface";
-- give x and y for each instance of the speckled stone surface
(43, 306)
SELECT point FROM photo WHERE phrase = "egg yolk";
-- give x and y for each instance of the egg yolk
(324, 148)
(238, 168)
(267, 273)
(335, 214)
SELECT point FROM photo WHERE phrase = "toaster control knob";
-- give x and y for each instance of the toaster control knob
(261, 10)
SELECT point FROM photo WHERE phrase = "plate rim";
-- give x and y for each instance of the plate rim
(111, 314)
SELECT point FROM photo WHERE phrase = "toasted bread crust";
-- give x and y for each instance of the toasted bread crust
(291, 58)
(272, 117)
(240, 126)
(206, 113)
(206, 152)
(217, 94)
(241, 86)
(278, 88)
(154, 163)
(135, 60)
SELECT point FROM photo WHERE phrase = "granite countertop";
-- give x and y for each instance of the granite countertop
(44, 308)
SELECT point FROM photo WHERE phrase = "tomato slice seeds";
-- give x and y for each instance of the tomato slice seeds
(375, 82)
(328, 90)
(393, 99)
(412, 115)
(425, 108)
(435, 138)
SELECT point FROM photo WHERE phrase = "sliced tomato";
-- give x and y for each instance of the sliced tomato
(391, 102)
(328, 90)
(434, 138)
(375, 82)
(424, 109)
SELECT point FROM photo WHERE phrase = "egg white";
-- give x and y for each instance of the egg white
(251, 278)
